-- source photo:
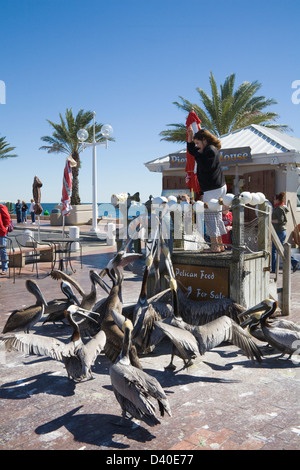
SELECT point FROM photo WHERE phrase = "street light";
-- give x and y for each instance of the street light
(82, 135)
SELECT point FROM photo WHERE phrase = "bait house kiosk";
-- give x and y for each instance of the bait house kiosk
(257, 163)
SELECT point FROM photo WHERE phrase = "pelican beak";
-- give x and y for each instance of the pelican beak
(246, 322)
(103, 273)
(100, 281)
(128, 258)
(75, 310)
(119, 319)
(259, 308)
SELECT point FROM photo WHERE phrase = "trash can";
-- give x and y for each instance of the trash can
(74, 233)
(111, 234)
(55, 217)
(27, 237)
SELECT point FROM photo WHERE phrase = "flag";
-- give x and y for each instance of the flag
(191, 166)
(67, 186)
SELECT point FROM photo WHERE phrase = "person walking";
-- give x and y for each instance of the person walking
(24, 212)
(279, 221)
(5, 220)
(205, 147)
(18, 211)
(31, 211)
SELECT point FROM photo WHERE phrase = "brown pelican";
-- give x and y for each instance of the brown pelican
(24, 319)
(199, 339)
(105, 321)
(144, 314)
(88, 298)
(56, 308)
(134, 387)
(120, 261)
(77, 357)
(286, 340)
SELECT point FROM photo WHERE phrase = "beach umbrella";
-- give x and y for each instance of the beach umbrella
(191, 166)
(36, 191)
(67, 188)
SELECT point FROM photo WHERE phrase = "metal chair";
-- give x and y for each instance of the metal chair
(32, 251)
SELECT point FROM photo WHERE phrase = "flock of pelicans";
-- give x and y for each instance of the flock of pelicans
(122, 333)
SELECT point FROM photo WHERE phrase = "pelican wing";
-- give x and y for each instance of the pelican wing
(34, 344)
(89, 351)
(19, 319)
(286, 324)
(183, 340)
(197, 312)
(132, 387)
(222, 329)
(283, 339)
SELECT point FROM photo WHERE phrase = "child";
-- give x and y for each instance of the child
(227, 219)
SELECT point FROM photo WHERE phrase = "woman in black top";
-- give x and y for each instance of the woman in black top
(204, 147)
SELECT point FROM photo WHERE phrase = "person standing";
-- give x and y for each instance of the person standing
(4, 223)
(18, 210)
(31, 211)
(205, 147)
(227, 219)
(279, 221)
(24, 212)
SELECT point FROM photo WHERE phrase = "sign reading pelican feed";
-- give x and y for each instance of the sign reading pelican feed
(203, 282)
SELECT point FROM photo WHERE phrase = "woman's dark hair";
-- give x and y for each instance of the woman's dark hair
(280, 197)
(210, 138)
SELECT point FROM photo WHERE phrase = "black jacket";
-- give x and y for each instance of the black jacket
(209, 172)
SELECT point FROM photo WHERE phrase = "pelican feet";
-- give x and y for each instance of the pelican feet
(171, 366)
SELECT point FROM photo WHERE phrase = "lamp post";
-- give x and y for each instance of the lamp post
(82, 135)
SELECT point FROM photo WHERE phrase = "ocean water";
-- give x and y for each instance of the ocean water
(104, 209)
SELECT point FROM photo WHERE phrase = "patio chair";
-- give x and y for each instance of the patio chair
(33, 251)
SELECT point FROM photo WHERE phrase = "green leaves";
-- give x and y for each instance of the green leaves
(226, 110)
(5, 149)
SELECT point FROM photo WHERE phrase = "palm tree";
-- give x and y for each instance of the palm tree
(64, 140)
(227, 110)
(5, 149)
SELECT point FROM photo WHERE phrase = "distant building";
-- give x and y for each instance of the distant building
(255, 159)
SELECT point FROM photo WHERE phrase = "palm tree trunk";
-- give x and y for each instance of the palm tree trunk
(75, 198)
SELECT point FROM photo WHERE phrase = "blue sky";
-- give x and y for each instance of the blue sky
(129, 60)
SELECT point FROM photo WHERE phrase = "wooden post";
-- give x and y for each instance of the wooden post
(286, 279)
(237, 275)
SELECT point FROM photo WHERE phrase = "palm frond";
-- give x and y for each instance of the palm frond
(5, 149)
(228, 109)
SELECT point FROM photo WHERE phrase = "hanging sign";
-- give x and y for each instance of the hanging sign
(203, 282)
(227, 156)
(235, 155)
(177, 160)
